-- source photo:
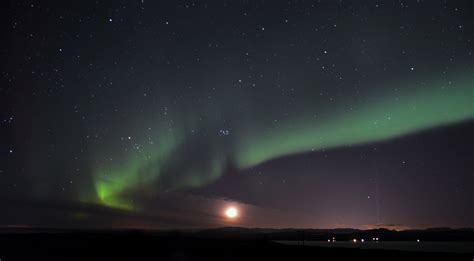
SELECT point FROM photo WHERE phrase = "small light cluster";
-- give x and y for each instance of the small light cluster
(224, 132)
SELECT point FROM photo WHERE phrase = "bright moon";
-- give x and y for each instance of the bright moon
(231, 212)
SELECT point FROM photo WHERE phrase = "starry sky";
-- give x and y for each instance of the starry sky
(160, 114)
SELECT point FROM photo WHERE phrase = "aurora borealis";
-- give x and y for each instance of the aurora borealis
(145, 114)
(396, 115)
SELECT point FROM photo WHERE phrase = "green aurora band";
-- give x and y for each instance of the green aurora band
(179, 160)
(382, 118)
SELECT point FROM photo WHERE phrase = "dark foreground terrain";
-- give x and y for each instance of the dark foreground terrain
(138, 245)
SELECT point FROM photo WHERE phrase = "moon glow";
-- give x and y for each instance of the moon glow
(231, 212)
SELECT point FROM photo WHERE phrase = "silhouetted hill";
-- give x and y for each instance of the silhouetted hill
(212, 244)
(433, 234)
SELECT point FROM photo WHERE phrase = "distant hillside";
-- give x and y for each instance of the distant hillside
(432, 234)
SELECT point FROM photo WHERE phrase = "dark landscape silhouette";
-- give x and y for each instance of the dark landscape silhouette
(230, 243)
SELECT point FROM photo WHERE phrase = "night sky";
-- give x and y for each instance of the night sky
(159, 114)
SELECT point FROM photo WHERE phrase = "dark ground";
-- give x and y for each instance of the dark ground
(148, 246)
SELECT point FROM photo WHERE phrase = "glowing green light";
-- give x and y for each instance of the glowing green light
(381, 118)
(184, 159)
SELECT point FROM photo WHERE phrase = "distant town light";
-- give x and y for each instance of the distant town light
(354, 240)
(418, 240)
(362, 240)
